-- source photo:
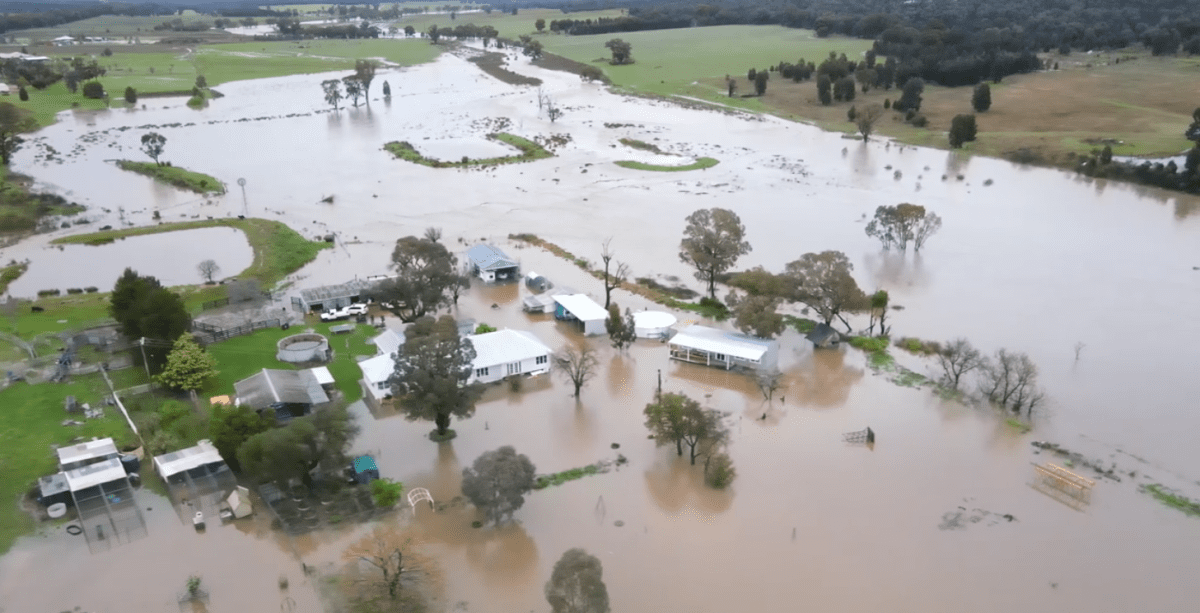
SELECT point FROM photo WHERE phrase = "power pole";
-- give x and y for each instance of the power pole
(142, 342)
(245, 207)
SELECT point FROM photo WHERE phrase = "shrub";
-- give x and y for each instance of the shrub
(719, 471)
(107, 52)
(74, 290)
(91, 290)
(483, 328)
(93, 90)
(386, 493)
(870, 344)
(130, 95)
(48, 292)
(920, 121)
(23, 94)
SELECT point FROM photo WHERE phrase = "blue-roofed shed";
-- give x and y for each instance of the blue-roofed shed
(491, 264)
(364, 468)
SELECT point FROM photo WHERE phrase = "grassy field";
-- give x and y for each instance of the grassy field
(174, 175)
(530, 151)
(118, 27)
(699, 164)
(507, 24)
(20, 209)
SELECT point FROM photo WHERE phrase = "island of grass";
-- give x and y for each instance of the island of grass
(173, 175)
(699, 164)
(21, 209)
(530, 151)
(278, 249)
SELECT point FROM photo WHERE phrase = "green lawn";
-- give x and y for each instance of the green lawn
(508, 25)
(699, 164)
(530, 151)
(173, 175)
(32, 418)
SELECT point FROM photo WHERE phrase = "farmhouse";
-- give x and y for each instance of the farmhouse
(491, 264)
(377, 373)
(580, 308)
(505, 353)
(712, 347)
(289, 393)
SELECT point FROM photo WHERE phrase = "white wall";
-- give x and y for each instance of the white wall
(497, 372)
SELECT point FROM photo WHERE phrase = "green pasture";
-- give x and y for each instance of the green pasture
(507, 24)
(114, 27)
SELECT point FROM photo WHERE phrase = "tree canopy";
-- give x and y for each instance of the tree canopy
(144, 308)
(304, 445)
(496, 483)
(230, 426)
(188, 366)
(431, 374)
(823, 282)
(758, 316)
(577, 584)
(622, 52)
(896, 226)
(426, 276)
(676, 418)
(13, 121)
(153, 144)
(713, 240)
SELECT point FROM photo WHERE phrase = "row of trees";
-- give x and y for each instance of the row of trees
(1169, 175)
(355, 86)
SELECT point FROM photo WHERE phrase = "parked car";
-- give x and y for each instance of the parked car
(344, 312)
(356, 309)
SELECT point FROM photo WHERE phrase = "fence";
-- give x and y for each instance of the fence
(213, 334)
(212, 304)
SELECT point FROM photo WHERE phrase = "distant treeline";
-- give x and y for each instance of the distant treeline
(27, 15)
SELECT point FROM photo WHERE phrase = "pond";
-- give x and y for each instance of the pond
(172, 257)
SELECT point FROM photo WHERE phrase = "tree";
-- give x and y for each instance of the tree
(962, 130)
(426, 272)
(188, 367)
(394, 563)
(621, 331)
(712, 243)
(201, 82)
(496, 483)
(879, 307)
(153, 144)
(433, 234)
(957, 358)
(731, 85)
(910, 97)
(981, 99)
(434, 34)
(93, 90)
(591, 73)
(613, 277)
(675, 418)
(823, 282)
(1009, 380)
(824, 90)
(304, 445)
(333, 92)
(208, 269)
(760, 83)
(354, 89)
(843, 89)
(865, 120)
(577, 365)
(577, 584)
(768, 381)
(756, 315)
(409, 30)
(540, 24)
(387, 91)
(23, 94)
(230, 426)
(622, 52)
(13, 121)
(130, 95)
(364, 71)
(531, 48)
(144, 308)
(385, 493)
(895, 226)
(432, 372)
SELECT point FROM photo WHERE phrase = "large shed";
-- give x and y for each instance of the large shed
(578, 307)
(491, 264)
(713, 347)
(333, 296)
(289, 393)
(505, 353)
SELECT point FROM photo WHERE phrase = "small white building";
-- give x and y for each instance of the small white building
(389, 342)
(712, 347)
(491, 264)
(171, 466)
(83, 454)
(578, 307)
(505, 353)
(377, 373)
(63, 41)
(104, 472)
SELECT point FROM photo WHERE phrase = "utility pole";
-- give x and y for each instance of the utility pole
(142, 342)
(245, 206)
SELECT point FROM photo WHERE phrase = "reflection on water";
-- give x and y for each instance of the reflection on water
(823, 382)
(675, 485)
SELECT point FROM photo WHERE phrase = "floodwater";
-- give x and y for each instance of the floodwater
(77, 266)
(1029, 259)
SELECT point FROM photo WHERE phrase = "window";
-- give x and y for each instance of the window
(514, 368)
(542, 359)
(481, 372)
(719, 356)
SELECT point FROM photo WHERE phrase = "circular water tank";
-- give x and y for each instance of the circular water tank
(653, 324)
(302, 348)
(56, 510)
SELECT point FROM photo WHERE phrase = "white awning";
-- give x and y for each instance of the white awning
(712, 340)
(582, 307)
(324, 377)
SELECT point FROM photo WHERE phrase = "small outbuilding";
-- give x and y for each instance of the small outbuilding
(823, 336)
(537, 282)
(364, 469)
(713, 347)
(377, 373)
(389, 342)
(653, 324)
(580, 308)
(491, 264)
(238, 503)
(288, 393)
(505, 353)
(83, 454)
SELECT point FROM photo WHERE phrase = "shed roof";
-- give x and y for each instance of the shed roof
(582, 307)
(487, 257)
(202, 454)
(389, 342)
(95, 474)
(344, 290)
(506, 346)
(322, 374)
(378, 368)
(363, 463)
(713, 340)
(86, 451)
(821, 333)
(271, 386)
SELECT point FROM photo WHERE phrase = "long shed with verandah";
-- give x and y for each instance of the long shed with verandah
(714, 347)
(580, 308)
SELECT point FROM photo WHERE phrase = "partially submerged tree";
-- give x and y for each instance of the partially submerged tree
(153, 144)
(13, 121)
(354, 89)
(130, 95)
(577, 365)
(865, 119)
(577, 584)
(333, 92)
(364, 71)
(622, 52)
(621, 331)
(713, 240)
(392, 570)
(896, 226)
(387, 91)
(675, 418)
(824, 283)
(879, 307)
(425, 273)
(188, 366)
(1009, 380)
(958, 358)
(758, 316)
(768, 381)
(614, 273)
(431, 374)
(496, 483)
(208, 269)
(318, 441)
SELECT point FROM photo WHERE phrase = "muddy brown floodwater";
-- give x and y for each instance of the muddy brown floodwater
(1029, 259)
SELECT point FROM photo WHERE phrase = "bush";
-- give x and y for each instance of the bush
(93, 90)
(130, 95)
(962, 130)
(107, 52)
(386, 493)
(870, 344)
(48, 292)
(719, 471)
(920, 121)
(23, 94)
(91, 290)
(74, 290)
(483, 328)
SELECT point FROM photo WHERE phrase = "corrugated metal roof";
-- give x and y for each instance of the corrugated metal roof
(344, 290)
(95, 474)
(505, 346)
(85, 451)
(389, 342)
(378, 368)
(202, 454)
(322, 375)
(713, 340)
(582, 307)
(487, 257)
(270, 386)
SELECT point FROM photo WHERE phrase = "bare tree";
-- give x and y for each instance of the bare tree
(768, 381)
(866, 118)
(613, 277)
(208, 269)
(958, 358)
(433, 235)
(577, 365)
(390, 567)
(1009, 381)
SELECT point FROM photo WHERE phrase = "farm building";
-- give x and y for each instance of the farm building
(712, 347)
(289, 393)
(653, 324)
(377, 373)
(197, 479)
(537, 282)
(580, 308)
(823, 335)
(333, 296)
(90, 452)
(505, 353)
(389, 342)
(237, 503)
(544, 302)
(491, 264)
(104, 500)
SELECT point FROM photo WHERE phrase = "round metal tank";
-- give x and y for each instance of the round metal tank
(653, 324)
(302, 348)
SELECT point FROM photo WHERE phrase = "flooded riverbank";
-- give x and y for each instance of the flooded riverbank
(1036, 261)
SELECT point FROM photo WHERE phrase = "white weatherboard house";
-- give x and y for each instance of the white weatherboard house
(491, 264)
(504, 353)
(713, 347)
(577, 307)
(378, 370)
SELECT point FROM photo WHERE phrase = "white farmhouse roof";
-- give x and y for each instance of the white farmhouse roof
(95, 474)
(505, 346)
(378, 368)
(389, 342)
(186, 459)
(582, 307)
(86, 451)
(713, 340)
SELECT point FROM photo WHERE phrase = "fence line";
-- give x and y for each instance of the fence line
(216, 334)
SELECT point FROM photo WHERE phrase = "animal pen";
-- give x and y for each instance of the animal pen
(109, 514)
(300, 511)
(1063, 485)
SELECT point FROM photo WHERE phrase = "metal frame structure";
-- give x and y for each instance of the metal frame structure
(1063, 485)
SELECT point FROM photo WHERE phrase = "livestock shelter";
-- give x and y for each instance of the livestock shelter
(580, 308)
(197, 479)
(333, 296)
(289, 393)
(823, 336)
(108, 512)
(491, 264)
(89, 452)
(505, 353)
(713, 347)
